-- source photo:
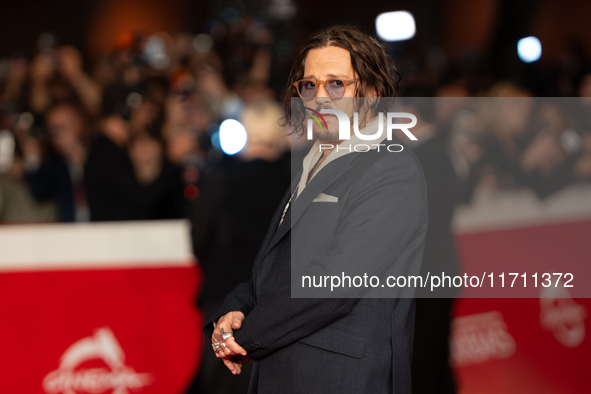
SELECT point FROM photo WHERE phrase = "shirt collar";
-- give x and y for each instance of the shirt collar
(344, 148)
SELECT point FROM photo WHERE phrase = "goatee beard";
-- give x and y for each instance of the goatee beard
(327, 136)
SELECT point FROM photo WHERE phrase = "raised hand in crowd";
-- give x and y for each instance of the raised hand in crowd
(43, 69)
(70, 68)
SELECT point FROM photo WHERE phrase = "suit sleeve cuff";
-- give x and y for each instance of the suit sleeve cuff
(208, 328)
(247, 343)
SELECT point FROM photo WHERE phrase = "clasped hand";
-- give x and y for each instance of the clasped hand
(232, 353)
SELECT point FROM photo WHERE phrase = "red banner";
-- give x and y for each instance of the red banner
(107, 327)
(535, 345)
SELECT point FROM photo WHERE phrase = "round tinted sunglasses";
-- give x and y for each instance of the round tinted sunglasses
(335, 88)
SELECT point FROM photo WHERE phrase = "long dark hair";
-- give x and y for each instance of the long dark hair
(375, 69)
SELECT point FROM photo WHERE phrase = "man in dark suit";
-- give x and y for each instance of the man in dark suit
(362, 213)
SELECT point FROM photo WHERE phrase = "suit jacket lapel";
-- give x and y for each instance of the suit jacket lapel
(326, 177)
(278, 213)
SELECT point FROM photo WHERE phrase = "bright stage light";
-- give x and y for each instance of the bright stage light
(232, 136)
(529, 49)
(395, 26)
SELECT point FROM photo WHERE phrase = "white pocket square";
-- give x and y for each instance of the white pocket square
(325, 198)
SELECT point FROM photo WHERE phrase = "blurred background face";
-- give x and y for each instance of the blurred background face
(65, 127)
(514, 115)
(143, 116)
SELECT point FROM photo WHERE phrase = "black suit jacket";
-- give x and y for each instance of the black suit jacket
(337, 345)
(114, 193)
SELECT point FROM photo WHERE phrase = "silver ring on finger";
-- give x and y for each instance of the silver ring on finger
(217, 347)
(226, 335)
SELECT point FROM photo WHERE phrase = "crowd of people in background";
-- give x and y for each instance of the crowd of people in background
(134, 135)
(127, 141)
(131, 135)
(509, 140)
